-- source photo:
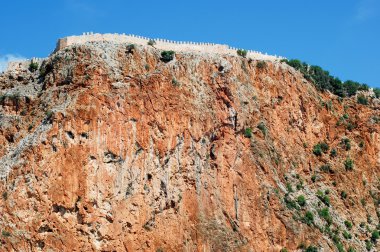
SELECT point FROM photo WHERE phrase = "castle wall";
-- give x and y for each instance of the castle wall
(163, 44)
(23, 65)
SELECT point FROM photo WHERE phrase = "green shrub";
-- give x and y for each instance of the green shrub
(33, 66)
(340, 247)
(326, 200)
(175, 82)
(346, 143)
(375, 235)
(151, 42)
(289, 187)
(299, 186)
(308, 218)
(242, 53)
(319, 148)
(351, 249)
(130, 48)
(290, 204)
(326, 168)
(261, 64)
(350, 126)
(302, 246)
(167, 56)
(5, 233)
(375, 119)
(5, 195)
(314, 178)
(45, 69)
(301, 200)
(324, 147)
(323, 197)
(333, 153)
(368, 245)
(262, 127)
(361, 144)
(369, 219)
(362, 100)
(311, 249)
(363, 202)
(347, 235)
(377, 92)
(349, 164)
(284, 250)
(248, 133)
(348, 224)
(325, 214)
(49, 116)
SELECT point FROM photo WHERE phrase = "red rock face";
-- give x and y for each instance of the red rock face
(119, 151)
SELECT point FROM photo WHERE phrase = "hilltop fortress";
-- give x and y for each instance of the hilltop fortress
(163, 44)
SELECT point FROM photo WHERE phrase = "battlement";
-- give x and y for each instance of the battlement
(163, 44)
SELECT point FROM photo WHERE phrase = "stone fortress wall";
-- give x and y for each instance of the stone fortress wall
(163, 44)
(23, 64)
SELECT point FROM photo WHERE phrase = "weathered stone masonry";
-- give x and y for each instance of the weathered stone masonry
(163, 44)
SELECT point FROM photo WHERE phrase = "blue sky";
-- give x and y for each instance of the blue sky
(340, 36)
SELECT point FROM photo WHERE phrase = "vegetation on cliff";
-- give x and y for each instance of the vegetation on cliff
(324, 81)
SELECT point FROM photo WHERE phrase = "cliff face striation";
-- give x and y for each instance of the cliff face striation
(108, 148)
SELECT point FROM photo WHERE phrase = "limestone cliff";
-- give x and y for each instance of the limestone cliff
(108, 148)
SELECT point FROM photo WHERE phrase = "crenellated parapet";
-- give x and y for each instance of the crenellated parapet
(163, 44)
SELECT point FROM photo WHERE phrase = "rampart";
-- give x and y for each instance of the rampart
(163, 44)
(23, 64)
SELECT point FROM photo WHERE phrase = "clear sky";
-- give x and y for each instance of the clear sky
(342, 36)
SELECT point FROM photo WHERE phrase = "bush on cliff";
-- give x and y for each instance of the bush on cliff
(151, 42)
(33, 66)
(301, 200)
(248, 133)
(362, 100)
(346, 143)
(261, 64)
(349, 164)
(333, 153)
(130, 48)
(308, 218)
(324, 81)
(167, 56)
(242, 53)
(319, 148)
(311, 249)
(375, 236)
(325, 214)
(377, 92)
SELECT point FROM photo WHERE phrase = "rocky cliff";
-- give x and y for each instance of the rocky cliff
(109, 148)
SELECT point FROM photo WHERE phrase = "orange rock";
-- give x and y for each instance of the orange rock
(127, 153)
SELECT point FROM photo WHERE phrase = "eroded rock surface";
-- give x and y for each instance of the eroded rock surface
(110, 149)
